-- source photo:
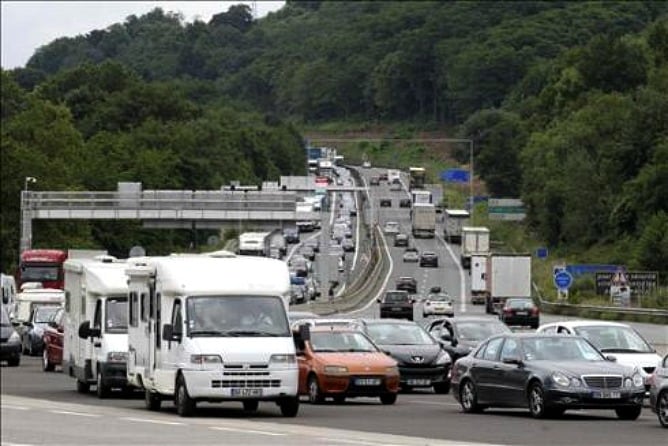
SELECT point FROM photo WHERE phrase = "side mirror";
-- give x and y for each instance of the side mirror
(513, 360)
(168, 333)
(52, 324)
(15, 323)
(305, 332)
(611, 358)
(84, 330)
(378, 300)
(28, 324)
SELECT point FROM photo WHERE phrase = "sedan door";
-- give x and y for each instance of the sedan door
(513, 378)
(485, 371)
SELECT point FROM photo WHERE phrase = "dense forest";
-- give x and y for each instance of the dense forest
(567, 103)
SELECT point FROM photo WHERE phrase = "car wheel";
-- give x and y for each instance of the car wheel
(537, 401)
(388, 399)
(468, 397)
(315, 395)
(152, 400)
(442, 388)
(102, 390)
(83, 387)
(14, 361)
(628, 413)
(185, 406)
(251, 405)
(289, 407)
(47, 365)
(662, 408)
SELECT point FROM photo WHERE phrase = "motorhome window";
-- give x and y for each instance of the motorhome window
(143, 303)
(44, 314)
(133, 309)
(83, 304)
(158, 321)
(39, 273)
(177, 317)
(97, 319)
(236, 316)
(116, 315)
(68, 296)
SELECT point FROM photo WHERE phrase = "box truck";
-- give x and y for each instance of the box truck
(455, 219)
(475, 240)
(508, 275)
(211, 329)
(479, 279)
(423, 220)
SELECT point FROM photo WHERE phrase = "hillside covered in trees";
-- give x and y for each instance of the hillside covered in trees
(567, 103)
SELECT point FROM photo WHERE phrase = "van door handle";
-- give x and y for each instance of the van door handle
(97, 344)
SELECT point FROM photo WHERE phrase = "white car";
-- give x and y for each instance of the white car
(395, 187)
(411, 255)
(438, 304)
(612, 339)
(391, 228)
(366, 165)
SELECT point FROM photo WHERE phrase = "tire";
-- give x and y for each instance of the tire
(251, 405)
(289, 407)
(339, 399)
(388, 399)
(83, 387)
(468, 397)
(662, 408)
(442, 388)
(628, 413)
(14, 361)
(47, 365)
(152, 400)
(536, 401)
(102, 390)
(315, 395)
(185, 406)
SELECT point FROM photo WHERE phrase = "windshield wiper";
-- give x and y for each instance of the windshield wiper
(251, 333)
(207, 333)
(326, 350)
(622, 350)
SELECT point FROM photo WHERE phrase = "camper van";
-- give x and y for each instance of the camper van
(211, 329)
(8, 293)
(96, 330)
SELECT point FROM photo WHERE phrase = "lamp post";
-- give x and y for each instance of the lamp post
(27, 181)
(26, 218)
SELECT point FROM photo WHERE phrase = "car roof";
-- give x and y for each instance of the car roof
(583, 323)
(387, 321)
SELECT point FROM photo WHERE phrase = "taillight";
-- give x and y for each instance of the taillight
(535, 311)
(508, 310)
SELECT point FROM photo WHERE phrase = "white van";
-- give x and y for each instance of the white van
(8, 293)
(211, 329)
(96, 331)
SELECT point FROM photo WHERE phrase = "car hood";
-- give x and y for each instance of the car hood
(405, 353)
(358, 361)
(578, 368)
(640, 360)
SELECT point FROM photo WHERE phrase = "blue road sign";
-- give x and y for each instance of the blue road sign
(541, 253)
(563, 280)
(455, 175)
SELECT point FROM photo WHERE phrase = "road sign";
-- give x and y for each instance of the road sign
(455, 175)
(541, 253)
(506, 209)
(563, 280)
(640, 282)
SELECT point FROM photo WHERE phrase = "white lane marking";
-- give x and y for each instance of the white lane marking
(247, 431)
(153, 421)
(333, 209)
(326, 440)
(357, 224)
(462, 278)
(11, 407)
(432, 403)
(5, 443)
(76, 414)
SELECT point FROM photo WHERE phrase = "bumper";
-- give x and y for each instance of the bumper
(10, 350)
(429, 263)
(439, 311)
(532, 321)
(114, 374)
(212, 385)
(586, 399)
(403, 314)
(350, 386)
(424, 376)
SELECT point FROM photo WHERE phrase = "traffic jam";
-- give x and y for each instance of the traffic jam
(220, 327)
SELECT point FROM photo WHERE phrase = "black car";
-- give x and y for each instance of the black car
(429, 258)
(386, 202)
(401, 240)
(405, 203)
(407, 284)
(422, 361)
(549, 374)
(520, 312)
(460, 335)
(396, 304)
(291, 236)
(658, 392)
(10, 341)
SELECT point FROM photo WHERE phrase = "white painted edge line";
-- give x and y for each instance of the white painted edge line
(76, 414)
(5, 443)
(357, 226)
(432, 403)
(153, 421)
(462, 277)
(325, 440)
(247, 431)
(12, 407)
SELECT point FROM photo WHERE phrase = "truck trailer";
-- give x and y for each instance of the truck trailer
(423, 220)
(508, 275)
(475, 240)
(455, 220)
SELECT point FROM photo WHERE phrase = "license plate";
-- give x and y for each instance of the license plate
(419, 382)
(522, 313)
(367, 382)
(247, 392)
(606, 395)
(397, 309)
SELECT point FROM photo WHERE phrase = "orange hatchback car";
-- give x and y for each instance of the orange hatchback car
(340, 362)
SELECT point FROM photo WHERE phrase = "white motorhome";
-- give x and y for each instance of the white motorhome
(211, 329)
(29, 299)
(455, 219)
(254, 243)
(479, 279)
(8, 293)
(96, 330)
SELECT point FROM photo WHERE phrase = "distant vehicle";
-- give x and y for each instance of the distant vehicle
(366, 165)
(391, 228)
(475, 241)
(299, 265)
(10, 341)
(417, 176)
(314, 243)
(308, 252)
(460, 335)
(455, 219)
(337, 250)
(297, 294)
(411, 255)
(291, 236)
(405, 203)
(520, 312)
(340, 362)
(396, 304)
(52, 354)
(658, 392)
(32, 332)
(348, 245)
(255, 243)
(422, 361)
(44, 266)
(386, 202)
(401, 240)
(374, 181)
(394, 176)
(439, 304)
(509, 276)
(429, 258)
(383, 176)
(479, 279)
(406, 283)
(9, 291)
(423, 220)
(552, 373)
(395, 186)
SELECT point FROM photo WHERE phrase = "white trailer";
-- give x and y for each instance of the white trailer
(423, 220)
(95, 347)
(455, 220)
(475, 240)
(508, 275)
(255, 243)
(479, 279)
(421, 196)
(211, 329)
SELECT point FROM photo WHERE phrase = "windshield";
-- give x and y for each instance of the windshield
(399, 334)
(614, 339)
(44, 314)
(396, 297)
(439, 298)
(116, 312)
(560, 348)
(479, 330)
(340, 341)
(519, 303)
(236, 316)
(39, 273)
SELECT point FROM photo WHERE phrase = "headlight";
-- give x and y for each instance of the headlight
(206, 359)
(392, 370)
(117, 357)
(637, 380)
(575, 382)
(14, 338)
(561, 379)
(443, 358)
(336, 370)
(283, 359)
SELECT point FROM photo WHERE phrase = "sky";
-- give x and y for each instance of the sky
(27, 25)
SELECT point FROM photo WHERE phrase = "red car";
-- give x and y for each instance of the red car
(53, 341)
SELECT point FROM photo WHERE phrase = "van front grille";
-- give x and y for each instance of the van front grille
(245, 383)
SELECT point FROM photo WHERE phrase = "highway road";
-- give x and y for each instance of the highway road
(39, 408)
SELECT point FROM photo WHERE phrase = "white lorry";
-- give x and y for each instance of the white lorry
(479, 279)
(95, 346)
(423, 220)
(508, 275)
(475, 240)
(421, 196)
(255, 243)
(211, 329)
(455, 220)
